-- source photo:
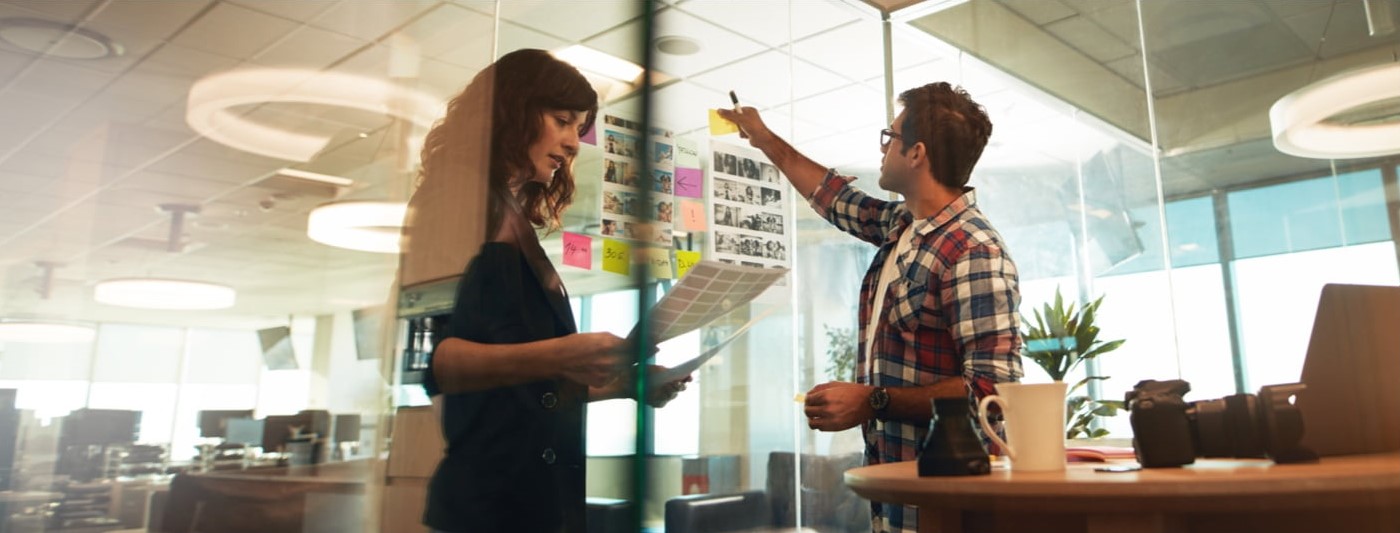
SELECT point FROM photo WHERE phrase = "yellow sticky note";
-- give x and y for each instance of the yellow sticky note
(660, 261)
(617, 257)
(719, 126)
(685, 260)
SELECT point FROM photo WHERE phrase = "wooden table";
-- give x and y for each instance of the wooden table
(1345, 493)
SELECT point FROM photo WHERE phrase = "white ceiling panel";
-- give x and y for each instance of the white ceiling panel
(795, 130)
(515, 37)
(1040, 12)
(234, 31)
(1090, 39)
(453, 34)
(310, 48)
(571, 21)
(139, 27)
(444, 80)
(372, 21)
(684, 106)
(837, 151)
(299, 10)
(719, 46)
(68, 12)
(845, 108)
(771, 23)
(770, 78)
(60, 81)
(11, 62)
(189, 63)
(854, 50)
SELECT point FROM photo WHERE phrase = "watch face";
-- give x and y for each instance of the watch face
(879, 399)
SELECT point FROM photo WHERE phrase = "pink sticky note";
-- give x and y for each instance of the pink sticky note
(689, 183)
(693, 215)
(590, 136)
(578, 250)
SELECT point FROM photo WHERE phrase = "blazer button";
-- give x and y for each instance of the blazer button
(548, 456)
(549, 400)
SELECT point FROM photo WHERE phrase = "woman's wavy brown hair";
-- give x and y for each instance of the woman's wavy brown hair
(517, 89)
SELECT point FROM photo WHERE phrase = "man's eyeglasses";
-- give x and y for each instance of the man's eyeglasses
(886, 135)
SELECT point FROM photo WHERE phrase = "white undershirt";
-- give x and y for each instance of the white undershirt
(887, 276)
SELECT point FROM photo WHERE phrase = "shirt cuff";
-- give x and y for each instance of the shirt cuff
(826, 193)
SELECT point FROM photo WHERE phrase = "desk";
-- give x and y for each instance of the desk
(297, 499)
(1354, 493)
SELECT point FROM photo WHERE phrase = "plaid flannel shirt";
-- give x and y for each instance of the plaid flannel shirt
(952, 312)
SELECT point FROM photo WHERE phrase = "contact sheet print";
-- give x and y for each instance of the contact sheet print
(748, 198)
(623, 215)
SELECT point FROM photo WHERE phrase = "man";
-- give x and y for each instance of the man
(938, 312)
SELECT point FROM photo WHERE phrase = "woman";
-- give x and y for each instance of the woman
(512, 378)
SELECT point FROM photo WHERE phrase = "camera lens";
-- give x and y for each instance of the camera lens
(1227, 427)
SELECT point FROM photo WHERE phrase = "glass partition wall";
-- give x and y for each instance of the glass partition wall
(1132, 159)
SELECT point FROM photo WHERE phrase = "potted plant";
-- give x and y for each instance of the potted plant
(1060, 339)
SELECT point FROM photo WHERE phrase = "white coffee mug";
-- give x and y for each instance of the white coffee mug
(1035, 424)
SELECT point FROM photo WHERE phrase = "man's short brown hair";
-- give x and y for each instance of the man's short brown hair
(953, 128)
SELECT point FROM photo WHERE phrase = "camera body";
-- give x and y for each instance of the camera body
(1169, 431)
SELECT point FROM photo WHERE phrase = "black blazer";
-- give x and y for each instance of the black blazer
(515, 455)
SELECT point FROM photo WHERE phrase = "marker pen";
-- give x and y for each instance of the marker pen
(735, 98)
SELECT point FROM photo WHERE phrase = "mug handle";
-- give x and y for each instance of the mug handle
(987, 428)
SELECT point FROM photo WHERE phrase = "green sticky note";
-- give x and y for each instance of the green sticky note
(660, 261)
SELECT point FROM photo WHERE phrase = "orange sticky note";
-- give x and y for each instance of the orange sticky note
(685, 260)
(617, 257)
(719, 126)
(660, 261)
(693, 215)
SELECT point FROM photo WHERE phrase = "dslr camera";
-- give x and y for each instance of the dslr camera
(1169, 431)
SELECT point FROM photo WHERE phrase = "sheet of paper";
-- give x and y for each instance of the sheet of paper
(688, 367)
(709, 290)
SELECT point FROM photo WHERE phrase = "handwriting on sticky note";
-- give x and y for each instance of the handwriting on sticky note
(685, 259)
(693, 215)
(690, 182)
(578, 250)
(719, 126)
(617, 257)
(660, 261)
(687, 155)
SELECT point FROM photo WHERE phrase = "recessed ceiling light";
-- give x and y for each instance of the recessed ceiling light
(57, 39)
(1301, 121)
(157, 293)
(676, 45)
(43, 331)
(367, 226)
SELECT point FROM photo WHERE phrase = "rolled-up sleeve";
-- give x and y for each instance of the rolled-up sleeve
(980, 300)
(853, 211)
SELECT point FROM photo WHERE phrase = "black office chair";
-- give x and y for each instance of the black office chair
(717, 513)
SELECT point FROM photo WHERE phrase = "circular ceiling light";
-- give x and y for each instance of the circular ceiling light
(214, 99)
(56, 39)
(156, 293)
(1302, 120)
(677, 46)
(36, 331)
(367, 226)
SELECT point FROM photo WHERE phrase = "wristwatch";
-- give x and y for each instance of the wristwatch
(879, 402)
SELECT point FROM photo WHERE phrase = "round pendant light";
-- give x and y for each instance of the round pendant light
(157, 293)
(1301, 125)
(368, 226)
(38, 331)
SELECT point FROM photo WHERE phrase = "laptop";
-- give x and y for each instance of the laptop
(1352, 370)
